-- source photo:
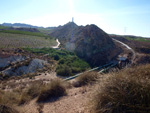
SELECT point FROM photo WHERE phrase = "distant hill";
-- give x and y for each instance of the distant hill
(19, 25)
(88, 42)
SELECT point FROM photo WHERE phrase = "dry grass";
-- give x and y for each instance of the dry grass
(127, 91)
(9, 98)
(7, 109)
(31, 92)
(21, 96)
(52, 91)
(86, 79)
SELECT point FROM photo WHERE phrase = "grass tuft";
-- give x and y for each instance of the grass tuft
(7, 109)
(52, 91)
(86, 79)
(127, 91)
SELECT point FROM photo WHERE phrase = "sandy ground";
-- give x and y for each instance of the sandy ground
(75, 102)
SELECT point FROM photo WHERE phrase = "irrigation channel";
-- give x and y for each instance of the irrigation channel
(101, 69)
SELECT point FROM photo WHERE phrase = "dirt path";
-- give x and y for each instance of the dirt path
(129, 48)
(57, 46)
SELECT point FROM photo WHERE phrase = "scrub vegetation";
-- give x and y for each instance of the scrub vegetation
(68, 63)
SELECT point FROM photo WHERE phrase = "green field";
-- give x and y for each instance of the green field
(138, 39)
(3, 27)
(25, 39)
(24, 33)
(45, 30)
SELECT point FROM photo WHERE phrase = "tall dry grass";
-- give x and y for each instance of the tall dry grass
(7, 109)
(52, 91)
(127, 91)
(86, 78)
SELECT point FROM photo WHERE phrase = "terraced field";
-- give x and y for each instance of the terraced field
(11, 40)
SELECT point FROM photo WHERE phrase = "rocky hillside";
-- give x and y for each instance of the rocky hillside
(64, 33)
(88, 42)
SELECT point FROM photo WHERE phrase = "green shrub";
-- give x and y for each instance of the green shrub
(68, 62)
(64, 70)
(52, 91)
(56, 56)
(76, 70)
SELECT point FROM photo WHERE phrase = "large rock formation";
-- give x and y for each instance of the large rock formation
(89, 42)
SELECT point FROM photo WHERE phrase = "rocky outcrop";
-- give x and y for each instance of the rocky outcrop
(19, 65)
(89, 43)
(32, 67)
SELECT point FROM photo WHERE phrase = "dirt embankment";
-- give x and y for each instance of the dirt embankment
(141, 48)
(16, 62)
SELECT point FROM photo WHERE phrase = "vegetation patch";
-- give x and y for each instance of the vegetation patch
(127, 91)
(138, 39)
(3, 27)
(21, 96)
(86, 79)
(24, 33)
(7, 109)
(12, 40)
(52, 91)
(68, 62)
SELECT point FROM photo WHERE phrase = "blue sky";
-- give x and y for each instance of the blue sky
(129, 17)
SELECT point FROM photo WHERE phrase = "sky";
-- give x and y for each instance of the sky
(123, 17)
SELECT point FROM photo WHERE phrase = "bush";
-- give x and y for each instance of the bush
(52, 91)
(56, 56)
(65, 59)
(86, 78)
(76, 70)
(123, 92)
(64, 70)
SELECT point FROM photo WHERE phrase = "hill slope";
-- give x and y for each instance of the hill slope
(88, 42)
